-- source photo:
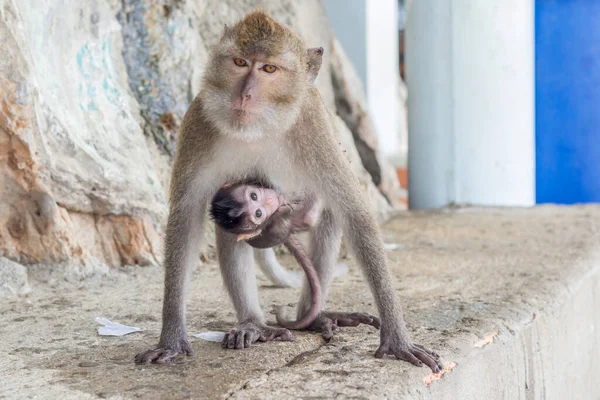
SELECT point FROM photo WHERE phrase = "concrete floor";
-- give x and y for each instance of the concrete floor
(532, 276)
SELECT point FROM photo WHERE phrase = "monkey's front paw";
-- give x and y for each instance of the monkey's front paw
(327, 322)
(414, 353)
(243, 335)
(164, 354)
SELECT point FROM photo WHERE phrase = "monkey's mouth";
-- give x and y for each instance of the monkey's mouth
(241, 116)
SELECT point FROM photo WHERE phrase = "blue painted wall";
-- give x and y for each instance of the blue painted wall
(567, 62)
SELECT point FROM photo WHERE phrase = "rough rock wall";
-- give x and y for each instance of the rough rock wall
(91, 96)
(351, 106)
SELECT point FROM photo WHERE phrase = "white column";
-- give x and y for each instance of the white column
(368, 31)
(383, 73)
(349, 23)
(470, 77)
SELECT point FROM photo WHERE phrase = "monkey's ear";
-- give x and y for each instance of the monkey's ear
(249, 235)
(313, 64)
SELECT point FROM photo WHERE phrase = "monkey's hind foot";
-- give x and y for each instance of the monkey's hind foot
(327, 322)
(243, 335)
(164, 354)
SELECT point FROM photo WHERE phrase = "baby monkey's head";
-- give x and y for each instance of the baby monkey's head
(244, 208)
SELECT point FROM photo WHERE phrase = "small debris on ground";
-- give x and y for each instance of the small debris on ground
(530, 319)
(487, 340)
(439, 375)
(393, 246)
(341, 269)
(211, 336)
(110, 328)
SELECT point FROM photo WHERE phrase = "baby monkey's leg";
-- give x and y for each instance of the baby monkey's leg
(329, 321)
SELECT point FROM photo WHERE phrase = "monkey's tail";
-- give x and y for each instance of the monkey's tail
(298, 252)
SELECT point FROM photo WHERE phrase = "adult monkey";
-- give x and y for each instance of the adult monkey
(259, 115)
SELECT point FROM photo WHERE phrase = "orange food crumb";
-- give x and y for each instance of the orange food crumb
(486, 340)
(437, 376)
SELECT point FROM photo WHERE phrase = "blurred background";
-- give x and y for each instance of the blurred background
(503, 97)
(439, 103)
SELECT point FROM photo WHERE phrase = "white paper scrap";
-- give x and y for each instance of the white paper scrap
(110, 328)
(211, 336)
(393, 246)
(341, 269)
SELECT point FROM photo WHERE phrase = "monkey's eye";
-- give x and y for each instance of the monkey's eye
(253, 196)
(269, 68)
(258, 213)
(240, 62)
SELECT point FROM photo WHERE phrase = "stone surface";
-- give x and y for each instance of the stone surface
(531, 275)
(72, 153)
(91, 96)
(13, 278)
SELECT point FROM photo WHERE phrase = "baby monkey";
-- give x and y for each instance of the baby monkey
(263, 217)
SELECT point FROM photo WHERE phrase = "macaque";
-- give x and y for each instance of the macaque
(258, 114)
(264, 218)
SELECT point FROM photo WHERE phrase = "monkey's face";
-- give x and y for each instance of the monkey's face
(256, 79)
(260, 87)
(259, 203)
(255, 90)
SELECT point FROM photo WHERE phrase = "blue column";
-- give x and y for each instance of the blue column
(567, 62)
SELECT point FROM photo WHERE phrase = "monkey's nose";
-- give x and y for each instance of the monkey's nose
(246, 98)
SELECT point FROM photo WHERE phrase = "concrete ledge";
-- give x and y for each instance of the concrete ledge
(552, 355)
(531, 275)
